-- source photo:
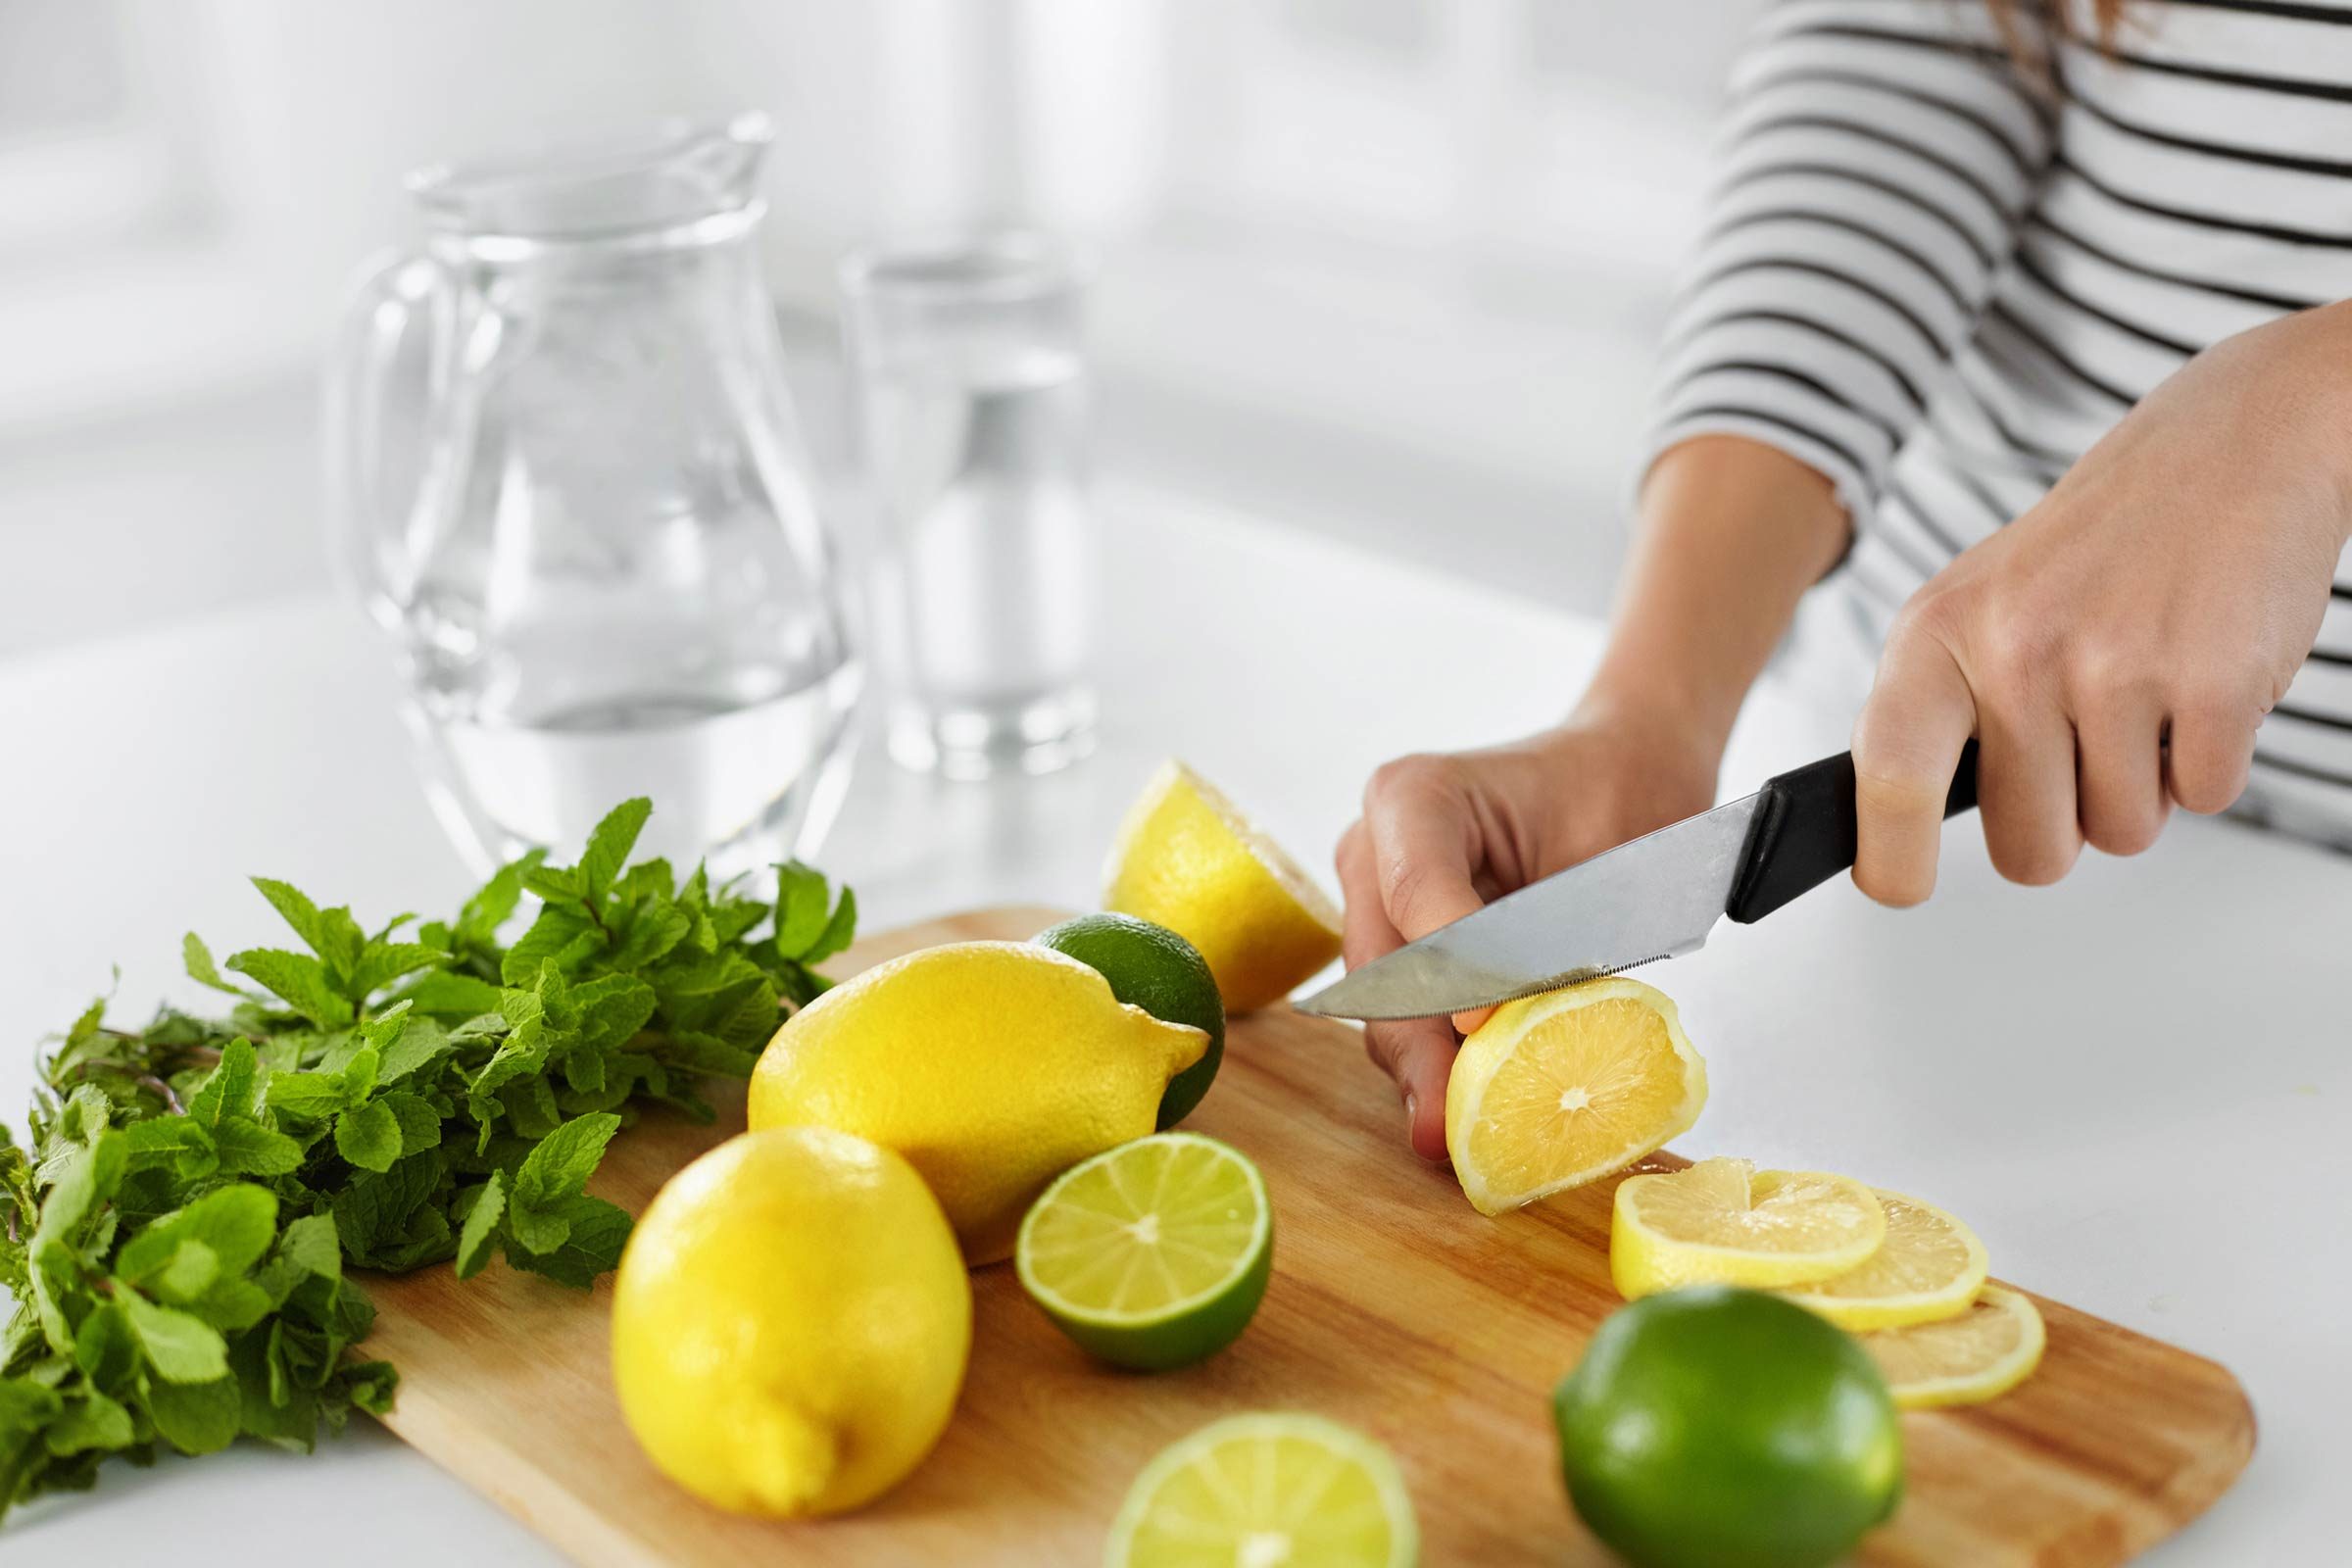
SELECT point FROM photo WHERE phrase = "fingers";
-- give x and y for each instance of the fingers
(1422, 836)
(2211, 751)
(1423, 833)
(1906, 744)
(2120, 771)
(1416, 1053)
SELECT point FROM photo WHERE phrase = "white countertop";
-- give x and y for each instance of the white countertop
(2136, 1084)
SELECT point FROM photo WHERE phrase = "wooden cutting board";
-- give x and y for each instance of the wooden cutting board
(1394, 1306)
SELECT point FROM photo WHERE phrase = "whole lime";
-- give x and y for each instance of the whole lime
(1723, 1428)
(1152, 968)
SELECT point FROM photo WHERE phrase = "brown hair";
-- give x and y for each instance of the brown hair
(2106, 17)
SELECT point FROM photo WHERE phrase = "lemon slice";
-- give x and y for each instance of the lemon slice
(1257, 1491)
(1153, 1255)
(1930, 1267)
(1979, 1355)
(1188, 859)
(1558, 1090)
(1725, 1222)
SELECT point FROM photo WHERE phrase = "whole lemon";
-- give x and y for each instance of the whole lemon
(993, 1066)
(790, 1323)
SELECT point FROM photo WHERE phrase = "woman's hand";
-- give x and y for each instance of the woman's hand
(2114, 648)
(1443, 835)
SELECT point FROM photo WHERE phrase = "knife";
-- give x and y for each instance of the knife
(1654, 898)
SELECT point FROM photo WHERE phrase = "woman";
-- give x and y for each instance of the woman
(2029, 333)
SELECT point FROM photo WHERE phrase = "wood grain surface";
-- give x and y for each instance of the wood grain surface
(1394, 1305)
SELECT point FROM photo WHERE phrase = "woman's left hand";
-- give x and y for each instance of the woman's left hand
(2113, 649)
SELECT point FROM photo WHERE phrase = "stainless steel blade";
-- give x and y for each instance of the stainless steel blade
(1654, 898)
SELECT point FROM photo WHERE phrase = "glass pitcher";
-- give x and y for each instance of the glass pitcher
(568, 484)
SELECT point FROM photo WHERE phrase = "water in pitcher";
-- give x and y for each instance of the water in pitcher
(979, 459)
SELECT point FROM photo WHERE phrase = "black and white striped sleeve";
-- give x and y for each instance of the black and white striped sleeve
(1875, 162)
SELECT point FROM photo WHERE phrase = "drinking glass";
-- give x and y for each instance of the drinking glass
(568, 484)
(972, 401)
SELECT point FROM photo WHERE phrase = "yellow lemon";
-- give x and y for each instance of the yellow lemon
(993, 1066)
(1558, 1090)
(1930, 1267)
(1188, 859)
(790, 1324)
(1985, 1351)
(1725, 1222)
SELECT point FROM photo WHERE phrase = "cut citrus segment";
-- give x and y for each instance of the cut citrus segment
(1153, 1255)
(1188, 859)
(1930, 1267)
(1561, 1088)
(1725, 1222)
(1985, 1351)
(1256, 1491)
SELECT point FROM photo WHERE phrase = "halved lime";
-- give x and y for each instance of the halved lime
(1153, 1255)
(1257, 1491)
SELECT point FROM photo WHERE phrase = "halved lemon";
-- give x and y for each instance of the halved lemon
(1186, 858)
(1256, 1491)
(1930, 1267)
(1561, 1088)
(1725, 1222)
(1153, 1255)
(1979, 1355)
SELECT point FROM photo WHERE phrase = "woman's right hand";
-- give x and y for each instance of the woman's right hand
(1443, 835)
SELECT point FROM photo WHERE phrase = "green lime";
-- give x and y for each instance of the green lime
(1152, 968)
(1723, 1428)
(1272, 1487)
(1153, 1255)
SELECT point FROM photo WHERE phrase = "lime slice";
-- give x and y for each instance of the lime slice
(1259, 1490)
(1151, 1255)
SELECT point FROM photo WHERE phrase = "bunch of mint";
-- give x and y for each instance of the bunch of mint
(180, 1222)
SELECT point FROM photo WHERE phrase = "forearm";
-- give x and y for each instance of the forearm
(1731, 532)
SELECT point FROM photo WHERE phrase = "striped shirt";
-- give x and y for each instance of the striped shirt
(1939, 284)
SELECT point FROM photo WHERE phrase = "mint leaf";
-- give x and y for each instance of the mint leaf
(595, 1232)
(298, 979)
(315, 1094)
(838, 931)
(234, 1225)
(802, 901)
(93, 1421)
(560, 1167)
(369, 1135)
(196, 1417)
(609, 845)
(180, 1347)
(482, 1226)
(198, 961)
(297, 909)
(249, 1149)
(228, 1090)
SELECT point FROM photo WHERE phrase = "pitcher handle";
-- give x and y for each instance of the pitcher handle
(370, 526)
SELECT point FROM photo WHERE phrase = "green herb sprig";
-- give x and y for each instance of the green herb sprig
(178, 1226)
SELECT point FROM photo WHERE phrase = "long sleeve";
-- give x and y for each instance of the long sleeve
(1874, 163)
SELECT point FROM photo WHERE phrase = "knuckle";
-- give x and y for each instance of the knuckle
(2126, 832)
(1897, 891)
(2036, 861)
(1400, 776)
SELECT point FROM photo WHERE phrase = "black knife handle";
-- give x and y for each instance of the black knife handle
(1803, 832)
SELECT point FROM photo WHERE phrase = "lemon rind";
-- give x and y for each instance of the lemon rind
(1711, 1263)
(1868, 1314)
(1944, 1394)
(1529, 1011)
